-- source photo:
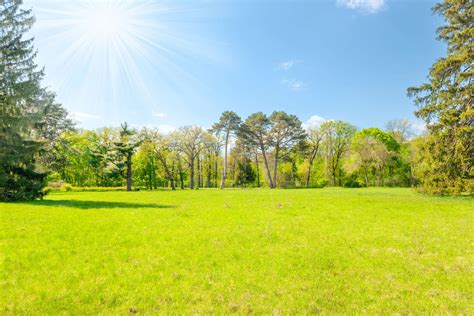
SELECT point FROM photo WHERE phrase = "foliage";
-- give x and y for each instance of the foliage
(446, 104)
(66, 187)
(245, 174)
(30, 119)
(374, 154)
(336, 140)
(228, 125)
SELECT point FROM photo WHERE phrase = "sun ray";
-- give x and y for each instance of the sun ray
(113, 55)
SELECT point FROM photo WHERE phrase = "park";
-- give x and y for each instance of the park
(236, 157)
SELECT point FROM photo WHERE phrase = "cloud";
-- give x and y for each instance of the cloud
(370, 6)
(294, 85)
(158, 114)
(83, 116)
(314, 121)
(287, 65)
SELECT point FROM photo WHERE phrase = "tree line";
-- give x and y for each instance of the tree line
(39, 143)
(261, 151)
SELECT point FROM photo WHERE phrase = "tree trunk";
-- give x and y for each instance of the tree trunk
(258, 170)
(209, 170)
(172, 176)
(215, 170)
(366, 176)
(224, 170)
(275, 166)
(198, 172)
(308, 175)
(191, 174)
(267, 168)
(129, 172)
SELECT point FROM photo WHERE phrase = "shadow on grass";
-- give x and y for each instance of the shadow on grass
(96, 204)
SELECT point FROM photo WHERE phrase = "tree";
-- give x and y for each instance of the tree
(162, 148)
(400, 129)
(374, 149)
(245, 173)
(126, 146)
(336, 141)
(285, 132)
(228, 124)
(312, 146)
(255, 132)
(190, 141)
(28, 112)
(369, 154)
(446, 103)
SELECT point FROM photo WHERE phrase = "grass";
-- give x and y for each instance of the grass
(238, 251)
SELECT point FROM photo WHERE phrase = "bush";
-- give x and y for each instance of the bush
(66, 187)
(46, 190)
(352, 183)
(321, 183)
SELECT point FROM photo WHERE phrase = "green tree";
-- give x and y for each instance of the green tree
(228, 124)
(244, 173)
(446, 103)
(337, 137)
(190, 141)
(312, 148)
(30, 119)
(125, 146)
(285, 133)
(255, 133)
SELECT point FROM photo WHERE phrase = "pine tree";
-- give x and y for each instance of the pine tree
(446, 103)
(125, 147)
(28, 112)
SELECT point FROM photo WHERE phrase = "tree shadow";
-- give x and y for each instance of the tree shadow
(96, 204)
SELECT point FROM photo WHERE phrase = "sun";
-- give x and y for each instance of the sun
(104, 21)
(113, 54)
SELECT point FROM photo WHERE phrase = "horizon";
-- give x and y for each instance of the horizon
(168, 65)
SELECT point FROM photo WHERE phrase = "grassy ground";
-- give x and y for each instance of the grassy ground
(260, 251)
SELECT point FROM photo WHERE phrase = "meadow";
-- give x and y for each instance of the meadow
(238, 251)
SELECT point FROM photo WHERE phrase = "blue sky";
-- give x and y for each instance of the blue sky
(169, 64)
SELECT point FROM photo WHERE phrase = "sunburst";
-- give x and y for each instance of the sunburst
(114, 55)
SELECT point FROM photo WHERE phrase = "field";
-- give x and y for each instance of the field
(238, 251)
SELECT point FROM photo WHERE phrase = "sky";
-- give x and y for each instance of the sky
(167, 64)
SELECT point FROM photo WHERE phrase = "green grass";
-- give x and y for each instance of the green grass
(238, 251)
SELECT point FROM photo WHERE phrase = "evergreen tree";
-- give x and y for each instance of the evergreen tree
(229, 123)
(125, 147)
(446, 103)
(28, 112)
(245, 173)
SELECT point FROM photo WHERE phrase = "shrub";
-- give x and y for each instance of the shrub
(46, 190)
(66, 187)
(352, 182)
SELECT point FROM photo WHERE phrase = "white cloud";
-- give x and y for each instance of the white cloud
(370, 6)
(287, 65)
(158, 114)
(83, 116)
(294, 85)
(314, 121)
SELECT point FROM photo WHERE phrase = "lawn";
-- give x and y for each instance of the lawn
(238, 251)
